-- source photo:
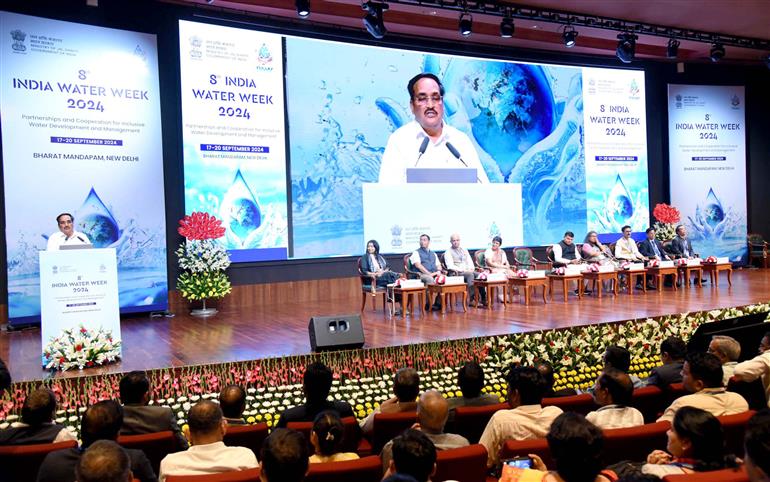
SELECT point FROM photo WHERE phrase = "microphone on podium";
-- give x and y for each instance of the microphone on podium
(423, 146)
(456, 153)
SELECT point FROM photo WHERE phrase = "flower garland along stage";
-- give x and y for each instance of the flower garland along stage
(363, 377)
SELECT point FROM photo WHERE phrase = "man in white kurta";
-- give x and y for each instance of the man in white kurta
(67, 234)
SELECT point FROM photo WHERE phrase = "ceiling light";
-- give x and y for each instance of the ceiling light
(569, 36)
(672, 49)
(466, 24)
(506, 27)
(374, 20)
(626, 47)
(717, 52)
(303, 8)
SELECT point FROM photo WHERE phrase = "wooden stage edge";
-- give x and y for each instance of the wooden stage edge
(271, 320)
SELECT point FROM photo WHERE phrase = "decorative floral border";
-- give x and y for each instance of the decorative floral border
(363, 377)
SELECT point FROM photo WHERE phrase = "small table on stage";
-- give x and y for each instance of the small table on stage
(528, 283)
(632, 278)
(688, 270)
(406, 298)
(444, 290)
(599, 277)
(490, 286)
(659, 273)
(565, 279)
(713, 270)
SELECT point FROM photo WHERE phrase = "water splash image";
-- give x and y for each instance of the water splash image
(241, 212)
(96, 221)
(714, 213)
(718, 231)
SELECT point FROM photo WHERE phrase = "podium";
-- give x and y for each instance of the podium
(79, 287)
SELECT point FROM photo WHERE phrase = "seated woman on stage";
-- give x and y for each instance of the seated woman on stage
(496, 259)
(374, 265)
(326, 438)
(594, 251)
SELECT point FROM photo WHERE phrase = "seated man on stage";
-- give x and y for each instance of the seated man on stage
(564, 251)
(626, 249)
(459, 263)
(653, 248)
(681, 247)
(429, 266)
(67, 234)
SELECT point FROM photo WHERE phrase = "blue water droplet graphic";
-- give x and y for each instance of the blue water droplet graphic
(714, 212)
(240, 209)
(619, 203)
(96, 221)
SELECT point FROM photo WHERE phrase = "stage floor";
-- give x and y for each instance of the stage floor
(271, 330)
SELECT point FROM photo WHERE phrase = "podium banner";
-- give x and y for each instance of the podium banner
(79, 287)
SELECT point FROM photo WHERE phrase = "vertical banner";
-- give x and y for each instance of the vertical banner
(81, 134)
(615, 150)
(707, 163)
(234, 135)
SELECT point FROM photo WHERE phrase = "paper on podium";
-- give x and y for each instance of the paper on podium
(694, 262)
(666, 264)
(606, 268)
(412, 283)
(723, 260)
(636, 267)
(536, 274)
(572, 269)
(454, 280)
(496, 277)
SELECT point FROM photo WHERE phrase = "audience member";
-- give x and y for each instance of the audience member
(672, 353)
(546, 369)
(757, 445)
(101, 421)
(316, 383)
(413, 454)
(406, 387)
(620, 358)
(232, 400)
(36, 425)
(470, 379)
(613, 393)
(728, 350)
(104, 461)
(207, 454)
(399, 478)
(702, 377)
(696, 443)
(757, 367)
(5, 377)
(575, 445)
(432, 413)
(284, 456)
(327, 437)
(141, 418)
(526, 419)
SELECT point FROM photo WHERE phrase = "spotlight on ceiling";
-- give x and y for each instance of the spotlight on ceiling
(374, 20)
(717, 52)
(569, 35)
(303, 8)
(466, 24)
(672, 50)
(626, 47)
(506, 27)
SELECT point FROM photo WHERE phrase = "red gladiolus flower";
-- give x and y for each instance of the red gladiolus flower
(200, 226)
(666, 214)
(78, 347)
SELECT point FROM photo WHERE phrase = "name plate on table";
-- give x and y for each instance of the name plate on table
(572, 269)
(536, 274)
(454, 280)
(606, 268)
(694, 262)
(496, 277)
(666, 264)
(412, 283)
(723, 260)
(636, 267)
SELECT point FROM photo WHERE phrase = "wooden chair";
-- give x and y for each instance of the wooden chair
(633, 443)
(582, 403)
(725, 475)
(155, 445)
(465, 464)
(409, 269)
(369, 288)
(649, 400)
(248, 475)
(521, 448)
(758, 249)
(367, 469)
(523, 258)
(734, 427)
(386, 426)
(478, 258)
(470, 422)
(351, 438)
(20, 463)
(249, 436)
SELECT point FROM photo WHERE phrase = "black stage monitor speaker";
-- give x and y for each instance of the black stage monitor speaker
(339, 332)
(747, 330)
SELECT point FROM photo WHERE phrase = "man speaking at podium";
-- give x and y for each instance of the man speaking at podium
(427, 142)
(67, 234)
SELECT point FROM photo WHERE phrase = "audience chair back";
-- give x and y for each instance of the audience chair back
(248, 475)
(649, 400)
(734, 427)
(154, 445)
(464, 464)
(389, 425)
(478, 257)
(352, 436)
(367, 469)
(633, 443)
(521, 448)
(725, 475)
(20, 463)
(410, 270)
(582, 403)
(753, 392)
(471, 421)
(249, 436)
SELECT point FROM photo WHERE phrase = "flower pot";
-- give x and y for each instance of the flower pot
(204, 311)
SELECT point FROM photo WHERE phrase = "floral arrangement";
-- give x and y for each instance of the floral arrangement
(202, 258)
(667, 217)
(710, 260)
(522, 273)
(559, 271)
(81, 348)
(364, 377)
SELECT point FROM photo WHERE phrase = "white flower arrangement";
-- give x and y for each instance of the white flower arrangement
(80, 348)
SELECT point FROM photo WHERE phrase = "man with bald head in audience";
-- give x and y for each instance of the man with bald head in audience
(728, 350)
(432, 413)
(104, 461)
(613, 392)
(207, 454)
(232, 399)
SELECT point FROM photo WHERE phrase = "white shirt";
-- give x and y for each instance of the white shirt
(557, 254)
(627, 249)
(728, 370)
(521, 423)
(757, 367)
(58, 239)
(716, 401)
(207, 459)
(403, 149)
(465, 265)
(616, 416)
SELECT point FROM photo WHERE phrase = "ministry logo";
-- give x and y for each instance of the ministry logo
(395, 230)
(18, 41)
(195, 45)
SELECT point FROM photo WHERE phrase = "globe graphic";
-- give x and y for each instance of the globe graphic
(101, 230)
(714, 214)
(244, 217)
(622, 209)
